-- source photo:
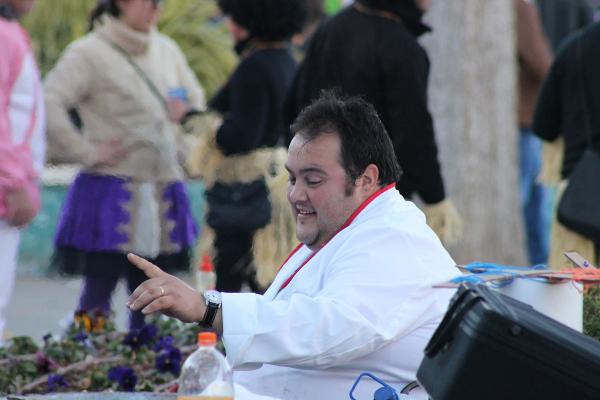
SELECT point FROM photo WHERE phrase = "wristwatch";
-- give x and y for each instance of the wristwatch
(213, 303)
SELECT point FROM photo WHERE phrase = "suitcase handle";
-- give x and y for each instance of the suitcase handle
(458, 308)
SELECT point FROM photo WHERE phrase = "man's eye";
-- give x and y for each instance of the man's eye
(313, 182)
(291, 180)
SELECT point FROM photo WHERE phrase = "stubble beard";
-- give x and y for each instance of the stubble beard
(348, 192)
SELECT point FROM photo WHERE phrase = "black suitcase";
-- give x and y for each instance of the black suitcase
(490, 346)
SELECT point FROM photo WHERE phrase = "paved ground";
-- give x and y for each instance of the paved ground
(39, 304)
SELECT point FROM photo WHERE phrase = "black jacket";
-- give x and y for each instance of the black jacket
(560, 107)
(380, 59)
(563, 17)
(252, 101)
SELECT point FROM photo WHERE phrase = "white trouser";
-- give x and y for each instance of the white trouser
(9, 245)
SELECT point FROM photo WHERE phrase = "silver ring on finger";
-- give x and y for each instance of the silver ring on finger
(162, 291)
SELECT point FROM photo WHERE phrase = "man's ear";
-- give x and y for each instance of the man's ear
(370, 178)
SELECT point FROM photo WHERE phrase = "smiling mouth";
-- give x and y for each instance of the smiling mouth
(304, 213)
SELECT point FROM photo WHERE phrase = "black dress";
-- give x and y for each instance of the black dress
(251, 103)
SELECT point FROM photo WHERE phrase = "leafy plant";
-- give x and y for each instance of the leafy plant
(193, 24)
(196, 27)
(95, 357)
(591, 313)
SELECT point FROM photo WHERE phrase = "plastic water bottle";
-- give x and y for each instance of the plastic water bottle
(206, 375)
(205, 275)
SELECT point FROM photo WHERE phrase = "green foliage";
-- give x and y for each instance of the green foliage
(54, 24)
(99, 380)
(25, 369)
(591, 313)
(82, 360)
(205, 43)
(333, 6)
(65, 351)
(22, 345)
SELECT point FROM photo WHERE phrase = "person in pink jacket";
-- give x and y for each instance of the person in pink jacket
(22, 144)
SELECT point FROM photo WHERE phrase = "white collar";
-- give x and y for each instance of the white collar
(132, 41)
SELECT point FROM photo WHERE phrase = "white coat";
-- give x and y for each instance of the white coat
(364, 302)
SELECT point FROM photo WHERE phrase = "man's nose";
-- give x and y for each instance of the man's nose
(296, 193)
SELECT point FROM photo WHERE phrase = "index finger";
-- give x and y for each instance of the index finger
(151, 270)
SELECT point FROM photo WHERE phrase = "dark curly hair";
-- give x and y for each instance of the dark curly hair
(103, 7)
(269, 20)
(364, 138)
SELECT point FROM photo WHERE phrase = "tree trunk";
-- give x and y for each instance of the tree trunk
(473, 102)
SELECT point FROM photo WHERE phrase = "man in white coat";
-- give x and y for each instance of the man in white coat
(356, 295)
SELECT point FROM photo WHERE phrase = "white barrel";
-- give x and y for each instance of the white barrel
(561, 301)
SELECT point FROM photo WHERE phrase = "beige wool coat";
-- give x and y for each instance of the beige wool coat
(114, 101)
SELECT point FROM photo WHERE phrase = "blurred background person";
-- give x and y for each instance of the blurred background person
(563, 17)
(315, 14)
(567, 108)
(534, 58)
(22, 145)
(132, 87)
(560, 19)
(251, 104)
(370, 49)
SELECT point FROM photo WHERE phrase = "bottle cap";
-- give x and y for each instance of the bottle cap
(206, 264)
(178, 93)
(207, 339)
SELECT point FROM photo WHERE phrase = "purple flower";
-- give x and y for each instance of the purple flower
(141, 337)
(148, 333)
(47, 338)
(169, 360)
(56, 382)
(80, 337)
(164, 343)
(124, 376)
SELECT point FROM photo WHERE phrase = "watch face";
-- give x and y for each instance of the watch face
(212, 296)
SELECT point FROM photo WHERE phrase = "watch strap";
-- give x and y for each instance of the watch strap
(209, 315)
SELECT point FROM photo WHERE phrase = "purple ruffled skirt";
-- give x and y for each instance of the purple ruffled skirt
(98, 217)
